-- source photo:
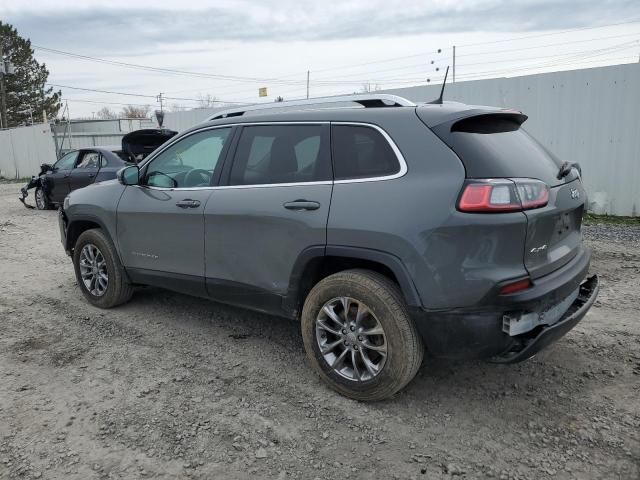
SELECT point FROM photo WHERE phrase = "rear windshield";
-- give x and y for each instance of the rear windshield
(496, 146)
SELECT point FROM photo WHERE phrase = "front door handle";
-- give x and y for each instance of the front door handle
(188, 203)
(302, 205)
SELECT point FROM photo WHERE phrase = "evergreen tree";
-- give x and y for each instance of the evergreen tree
(25, 90)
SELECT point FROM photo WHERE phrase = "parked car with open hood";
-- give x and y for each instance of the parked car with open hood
(79, 168)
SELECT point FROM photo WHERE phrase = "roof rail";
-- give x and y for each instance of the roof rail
(366, 100)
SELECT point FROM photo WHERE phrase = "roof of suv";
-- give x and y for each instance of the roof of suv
(432, 114)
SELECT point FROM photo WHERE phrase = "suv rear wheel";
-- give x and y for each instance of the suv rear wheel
(358, 335)
(100, 275)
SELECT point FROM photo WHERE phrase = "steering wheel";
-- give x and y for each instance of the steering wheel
(197, 177)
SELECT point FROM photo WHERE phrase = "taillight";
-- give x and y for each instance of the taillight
(516, 286)
(503, 195)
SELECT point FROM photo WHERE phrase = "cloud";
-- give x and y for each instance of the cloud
(106, 30)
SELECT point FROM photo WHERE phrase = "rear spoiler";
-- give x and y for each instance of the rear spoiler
(449, 113)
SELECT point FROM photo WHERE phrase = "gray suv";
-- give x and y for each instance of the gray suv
(386, 228)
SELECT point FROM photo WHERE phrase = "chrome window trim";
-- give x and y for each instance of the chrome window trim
(401, 161)
(403, 164)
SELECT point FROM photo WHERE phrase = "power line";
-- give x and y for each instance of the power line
(320, 82)
(162, 69)
(513, 39)
(106, 103)
(534, 47)
(131, 94)
(100, 91)
(280, 80)
(326, 81)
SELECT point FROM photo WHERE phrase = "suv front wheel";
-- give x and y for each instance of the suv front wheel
(358, 335)
(100, 275)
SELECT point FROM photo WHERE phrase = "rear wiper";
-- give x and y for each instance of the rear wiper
(566, 167)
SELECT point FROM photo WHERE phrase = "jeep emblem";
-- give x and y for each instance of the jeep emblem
(575, 193)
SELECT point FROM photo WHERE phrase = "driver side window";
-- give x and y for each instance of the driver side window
(67, 162)
(188, 163)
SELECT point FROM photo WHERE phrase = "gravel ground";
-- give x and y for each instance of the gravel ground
(170, 386)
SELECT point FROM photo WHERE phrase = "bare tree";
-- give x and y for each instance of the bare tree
(106, 114)
(207, 101)
(132, 111)
(279, 99)
(369, 87)
(177, 107)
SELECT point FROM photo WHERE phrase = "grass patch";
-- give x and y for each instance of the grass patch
(593, 219)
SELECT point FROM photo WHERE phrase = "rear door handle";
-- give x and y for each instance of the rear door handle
(188, 203)
(302, 205)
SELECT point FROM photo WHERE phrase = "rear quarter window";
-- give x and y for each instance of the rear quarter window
(361, 152)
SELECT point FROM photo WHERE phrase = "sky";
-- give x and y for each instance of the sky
(229, 49)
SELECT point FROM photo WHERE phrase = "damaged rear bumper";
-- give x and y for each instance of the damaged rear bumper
(532, 342)
(552, 307)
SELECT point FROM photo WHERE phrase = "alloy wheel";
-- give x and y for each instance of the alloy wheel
(351, 339)
(40, 199)
(93, 270)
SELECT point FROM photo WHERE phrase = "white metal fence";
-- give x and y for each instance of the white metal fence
(588, 116)
(23, 149)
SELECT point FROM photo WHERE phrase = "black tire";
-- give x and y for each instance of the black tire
(383, 298)
(42, 199)
(118, 289)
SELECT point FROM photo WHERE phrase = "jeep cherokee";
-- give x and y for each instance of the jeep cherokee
(386, 228)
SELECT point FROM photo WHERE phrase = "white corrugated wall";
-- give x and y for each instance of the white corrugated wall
(23, 149)
(589, 116)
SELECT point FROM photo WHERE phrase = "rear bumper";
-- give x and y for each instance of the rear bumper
(478, 332)
(547, 335)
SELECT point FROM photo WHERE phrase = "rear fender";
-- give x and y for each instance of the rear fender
(293, 299)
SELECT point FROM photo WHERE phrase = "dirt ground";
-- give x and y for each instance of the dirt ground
(169, 386)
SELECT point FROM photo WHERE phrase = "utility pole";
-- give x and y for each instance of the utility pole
(307, 84)
(159, 99)
(69, 123)
(454, 64)
(3, 101)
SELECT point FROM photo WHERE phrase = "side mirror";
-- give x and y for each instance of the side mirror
(129, 175)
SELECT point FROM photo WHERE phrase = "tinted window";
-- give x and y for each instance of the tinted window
(281, 154)
(496, 146)
(361, 152)
(67, 162)
(89, 160)
(190, 162)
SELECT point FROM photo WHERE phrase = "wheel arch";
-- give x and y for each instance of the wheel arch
(78, 225)
(316, 263)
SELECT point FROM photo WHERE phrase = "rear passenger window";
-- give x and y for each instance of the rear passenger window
(361, 152)
(269, 154)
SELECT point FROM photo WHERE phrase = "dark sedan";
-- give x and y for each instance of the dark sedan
(77, 169)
